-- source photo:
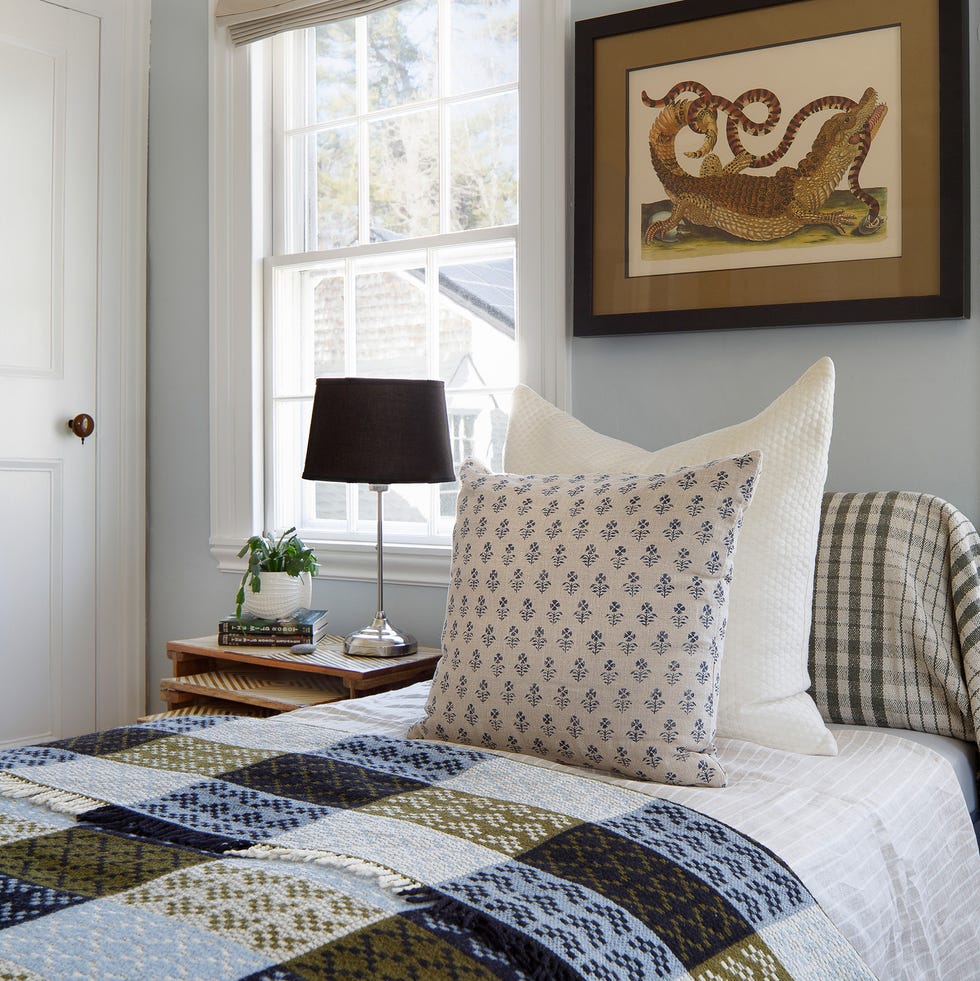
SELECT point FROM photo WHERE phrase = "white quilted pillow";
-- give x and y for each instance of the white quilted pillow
(764, 681)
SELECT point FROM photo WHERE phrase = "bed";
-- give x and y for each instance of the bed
(532, 813)
(879, 836)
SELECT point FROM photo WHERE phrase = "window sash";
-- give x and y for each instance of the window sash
(295, 229)
(289, 384)
(290, 321)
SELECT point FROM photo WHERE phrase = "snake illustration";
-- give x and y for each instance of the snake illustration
(702, 114)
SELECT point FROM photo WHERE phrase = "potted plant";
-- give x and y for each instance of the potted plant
(279, 576)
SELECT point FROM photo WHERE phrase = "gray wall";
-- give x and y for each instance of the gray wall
(906, 410)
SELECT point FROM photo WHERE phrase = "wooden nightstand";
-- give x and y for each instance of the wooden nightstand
(273, 679)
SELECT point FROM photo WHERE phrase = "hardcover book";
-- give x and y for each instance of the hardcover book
(240, 639)
(305, 622)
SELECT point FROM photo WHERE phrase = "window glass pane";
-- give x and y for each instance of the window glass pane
(300, 179)
(477, 351)
(336, 70)
(477, 344)
(406, 510)
(477, 428)
(402, 54)
(291, 361)
(404, 176)
(329, 347)
(290, 427)
(390, 323)
(309, 339)
(483, 154)
(483, 50)
(298, 72)
(330, 502)
(336, 187)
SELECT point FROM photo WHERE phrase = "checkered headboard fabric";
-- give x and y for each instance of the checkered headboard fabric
(896, 614)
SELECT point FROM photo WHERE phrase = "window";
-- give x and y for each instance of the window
(387, 236)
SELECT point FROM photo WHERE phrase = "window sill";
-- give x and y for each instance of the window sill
(415, 565)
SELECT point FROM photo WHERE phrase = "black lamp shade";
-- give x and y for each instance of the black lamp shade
(379, 431)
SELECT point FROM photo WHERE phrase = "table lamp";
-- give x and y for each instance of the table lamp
(379, 431)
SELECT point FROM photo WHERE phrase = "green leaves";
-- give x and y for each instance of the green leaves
(287, 553)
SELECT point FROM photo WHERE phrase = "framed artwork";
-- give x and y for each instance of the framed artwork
(757, 163)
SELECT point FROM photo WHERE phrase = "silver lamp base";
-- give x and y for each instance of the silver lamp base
(380, 639)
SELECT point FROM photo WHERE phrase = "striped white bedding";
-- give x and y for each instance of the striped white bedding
(880, 833)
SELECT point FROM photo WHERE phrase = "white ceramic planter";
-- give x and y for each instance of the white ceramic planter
(281, 594)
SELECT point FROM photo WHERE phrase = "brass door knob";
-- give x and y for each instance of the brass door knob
(82, 425)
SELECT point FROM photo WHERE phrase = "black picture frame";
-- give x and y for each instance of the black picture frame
(935, 197)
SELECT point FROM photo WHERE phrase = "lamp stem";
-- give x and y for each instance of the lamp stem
(380, 639)
(380, 488)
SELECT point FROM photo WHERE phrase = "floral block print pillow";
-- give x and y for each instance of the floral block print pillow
(586, 617)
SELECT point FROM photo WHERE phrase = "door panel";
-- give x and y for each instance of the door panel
(49, 247)
(28, 242)
(30, 707)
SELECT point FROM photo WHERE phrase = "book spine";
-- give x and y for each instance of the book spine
(264, 640)
(266, 629)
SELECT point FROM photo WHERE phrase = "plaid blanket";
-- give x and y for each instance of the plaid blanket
(896, 614)
(211, 848)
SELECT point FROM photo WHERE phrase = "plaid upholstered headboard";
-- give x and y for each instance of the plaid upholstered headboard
(895, 640)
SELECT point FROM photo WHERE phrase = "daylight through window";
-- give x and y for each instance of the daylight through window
(395, 152)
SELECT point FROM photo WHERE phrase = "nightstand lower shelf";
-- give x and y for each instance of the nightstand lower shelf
(209, 706)
(265, 687)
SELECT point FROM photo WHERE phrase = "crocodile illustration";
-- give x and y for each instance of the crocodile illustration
(761, 208)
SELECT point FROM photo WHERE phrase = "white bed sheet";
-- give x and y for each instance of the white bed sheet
(963, 757)
(880, 833)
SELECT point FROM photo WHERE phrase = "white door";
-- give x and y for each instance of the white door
(49, 301)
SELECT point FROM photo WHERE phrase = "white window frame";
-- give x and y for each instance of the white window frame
(240, 232)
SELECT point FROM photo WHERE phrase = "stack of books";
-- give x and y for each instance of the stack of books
(302, 627)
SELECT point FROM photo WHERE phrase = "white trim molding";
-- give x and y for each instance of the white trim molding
(240, 237)
(541, 253)
(236, 300)
(121, 357)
